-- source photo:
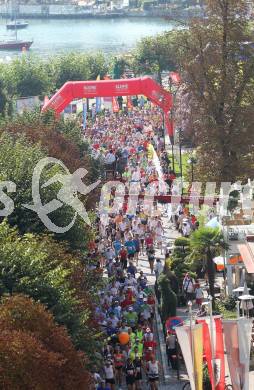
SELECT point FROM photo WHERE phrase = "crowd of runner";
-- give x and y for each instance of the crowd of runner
(133, 150)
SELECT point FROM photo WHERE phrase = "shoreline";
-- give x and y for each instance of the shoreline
(169, 14)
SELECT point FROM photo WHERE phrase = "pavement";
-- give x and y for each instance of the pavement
(168, 378)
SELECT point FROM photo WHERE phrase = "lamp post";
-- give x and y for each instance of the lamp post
(192, 161)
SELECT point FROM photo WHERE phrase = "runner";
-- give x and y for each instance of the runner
(152, 370)
(109, 374)
(130, 374)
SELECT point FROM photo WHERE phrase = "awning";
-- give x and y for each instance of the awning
(247, 254)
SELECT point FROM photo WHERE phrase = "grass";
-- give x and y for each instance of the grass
(185, 165)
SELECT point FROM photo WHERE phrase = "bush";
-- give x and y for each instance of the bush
(182, 242)
(229, 303)
(168, 298)
(206, 379)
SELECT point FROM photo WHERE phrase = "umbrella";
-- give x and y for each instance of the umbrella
(246, 296)
(219, 261)
(214, 223)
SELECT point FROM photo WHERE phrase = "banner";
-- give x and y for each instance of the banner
(84, 113)
(207, 349)
(218, 377)
(232, 348)
(219, 356)
(93, 111)
(197, 334)
(183, 336)
(98, 100)
(115, 104)
(129, 103)
(244, 327)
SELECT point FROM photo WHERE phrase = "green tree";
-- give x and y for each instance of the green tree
(3, 98)
(46, 271)
(28, 76)
(97, 66)
(19, 156)
(155, 54)
(78, 67)
(208, 243)
(217, 63)
(179, 260)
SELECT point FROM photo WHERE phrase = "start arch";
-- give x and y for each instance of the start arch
(103, 88)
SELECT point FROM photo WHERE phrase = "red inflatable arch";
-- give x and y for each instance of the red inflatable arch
(103, 88)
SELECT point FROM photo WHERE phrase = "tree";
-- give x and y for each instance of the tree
(179, 264)
(3, 98)
(27, 76)
(48, 272)
(217, 64)
(208, 242)
(35, 352)
(78, 67)
(155, 54)
(19, 156)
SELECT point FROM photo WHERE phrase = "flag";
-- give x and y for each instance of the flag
(84, 113)
(244, 327)
(207, 349)
(129, 103)
(197, 335)
(219, 358)
(93, 111)
(238, 341)
(115, 104)
(232, 348)
(98, 100)
(183, 336)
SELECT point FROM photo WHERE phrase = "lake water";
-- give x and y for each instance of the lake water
(107, 35)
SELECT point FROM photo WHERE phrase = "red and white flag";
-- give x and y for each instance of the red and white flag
(217, 375)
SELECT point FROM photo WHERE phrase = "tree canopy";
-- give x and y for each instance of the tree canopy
(153, 55)
(216, 58)
(35, 352)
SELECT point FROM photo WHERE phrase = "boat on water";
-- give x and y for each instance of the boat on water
(18, 24)
(15, 44)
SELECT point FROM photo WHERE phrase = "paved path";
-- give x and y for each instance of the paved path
(168, 380)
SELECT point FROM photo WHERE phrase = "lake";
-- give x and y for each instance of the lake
(107, 35)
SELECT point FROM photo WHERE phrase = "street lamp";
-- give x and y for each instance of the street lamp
(192, 161)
